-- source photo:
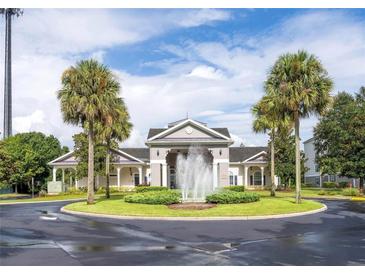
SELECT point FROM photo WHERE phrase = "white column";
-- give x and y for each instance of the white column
(215, 175)
(76, 183)
(246, 176)
(63, 176)
(140, 175)
(54, 174)
(164, 174)
(262, 176)
(118, 176)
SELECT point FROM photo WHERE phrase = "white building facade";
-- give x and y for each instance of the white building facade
(155, 164)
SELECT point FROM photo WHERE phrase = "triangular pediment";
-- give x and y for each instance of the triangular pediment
(189, 129)
(259, 157)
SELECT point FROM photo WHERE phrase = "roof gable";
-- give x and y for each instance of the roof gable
(188, 129)
(245, 154)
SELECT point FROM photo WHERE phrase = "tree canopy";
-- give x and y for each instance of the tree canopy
(26, 155)
(339, 137)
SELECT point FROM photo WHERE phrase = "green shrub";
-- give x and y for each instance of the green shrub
(232, 197)
(154, 197)
(350, 192)
(235, 188)
(42, 193)
(329, 185)
(140, 189)
(73, 190)
(321, 192)
(100, 190)
(83, 189)
(343, 184)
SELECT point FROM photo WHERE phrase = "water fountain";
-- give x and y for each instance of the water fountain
(194, 174)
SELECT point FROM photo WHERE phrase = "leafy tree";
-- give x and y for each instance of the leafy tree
(339, 137)
(269, 120)
(26, 155)
(302, 87)
(285, 157)
(88, 92)
(81, 153)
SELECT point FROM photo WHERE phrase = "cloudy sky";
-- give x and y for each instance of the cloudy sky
(208, 63)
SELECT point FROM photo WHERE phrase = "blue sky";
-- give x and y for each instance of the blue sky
(210, 62)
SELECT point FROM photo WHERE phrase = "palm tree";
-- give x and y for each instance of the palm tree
(303, 86)
(87, 96)
(117, 128)
(269, 120)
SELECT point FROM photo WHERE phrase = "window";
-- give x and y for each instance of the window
(136, 179)
(316, 167)
(332, 178)
(232, 179)
(257, 178)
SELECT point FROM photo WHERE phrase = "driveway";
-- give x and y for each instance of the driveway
(38, 234)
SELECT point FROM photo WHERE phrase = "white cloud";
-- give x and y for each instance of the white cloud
(25, 123)
(206, 72)
(218, 81)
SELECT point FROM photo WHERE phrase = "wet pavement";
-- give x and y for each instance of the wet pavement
(38, 234)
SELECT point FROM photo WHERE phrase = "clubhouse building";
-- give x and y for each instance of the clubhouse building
(155, 164)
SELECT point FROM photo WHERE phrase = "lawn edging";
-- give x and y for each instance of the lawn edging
(226, 218)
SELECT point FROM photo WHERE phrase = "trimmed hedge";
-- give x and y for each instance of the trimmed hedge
(350, 192)
(343, 184)
(329, 185)
(232, 197)
(154, 198)
(235, 188)
(140, 189)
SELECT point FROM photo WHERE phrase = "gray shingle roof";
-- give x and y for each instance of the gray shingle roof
(140, 153)
(154, 131)
(238, 154)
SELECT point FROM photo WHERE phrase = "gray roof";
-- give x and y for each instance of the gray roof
(140, 153)
(238, 154)
(154, 131)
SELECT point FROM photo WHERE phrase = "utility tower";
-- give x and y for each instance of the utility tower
(8, 12)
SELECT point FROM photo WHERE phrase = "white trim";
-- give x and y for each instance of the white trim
(220, 161)
(158, 162)
(258, 154)
(187, 121)
(61, 157)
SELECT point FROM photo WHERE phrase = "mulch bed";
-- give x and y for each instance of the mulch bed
(192, 206)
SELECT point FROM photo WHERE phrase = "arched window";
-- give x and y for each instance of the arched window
(257, 178)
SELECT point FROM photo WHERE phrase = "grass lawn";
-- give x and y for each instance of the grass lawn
(12, 195)
(266, 206)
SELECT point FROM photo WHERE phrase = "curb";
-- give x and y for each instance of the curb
(232, 218)
(41, 202)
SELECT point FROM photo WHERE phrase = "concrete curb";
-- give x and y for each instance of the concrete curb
(232, 218)
(41, 202)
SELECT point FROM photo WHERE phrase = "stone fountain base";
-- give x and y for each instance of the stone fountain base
(192, 206)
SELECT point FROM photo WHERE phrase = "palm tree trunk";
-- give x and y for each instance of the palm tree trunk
(90, 168)
(272, 164)
(297, 160)
(107, 169)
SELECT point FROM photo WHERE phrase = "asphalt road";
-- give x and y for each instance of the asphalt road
(38, 234)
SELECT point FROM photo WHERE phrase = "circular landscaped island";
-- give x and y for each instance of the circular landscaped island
(247, 205)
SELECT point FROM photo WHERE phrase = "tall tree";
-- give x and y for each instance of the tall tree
(269, 120)
(88, 93)
(285, 156)
(304, 87)
(339, 137)
(117, 129)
